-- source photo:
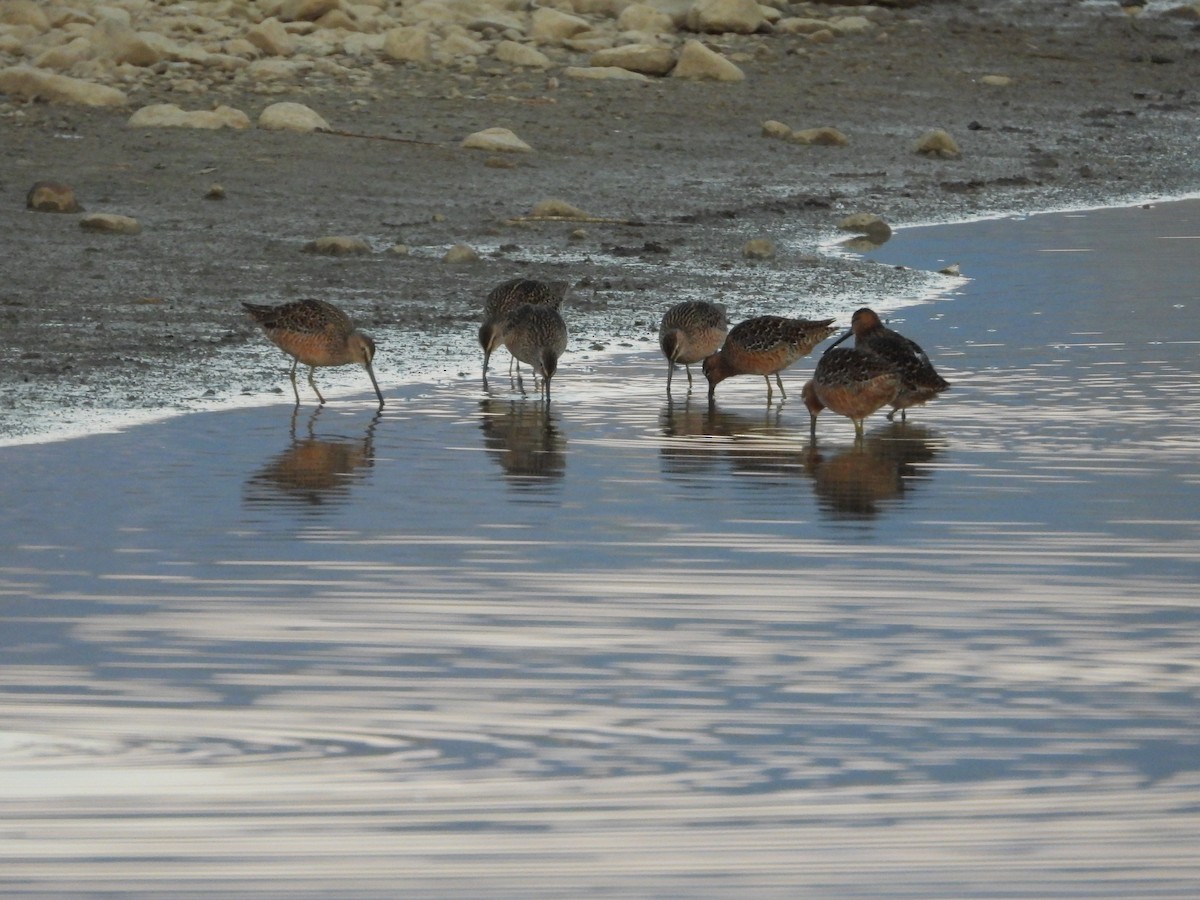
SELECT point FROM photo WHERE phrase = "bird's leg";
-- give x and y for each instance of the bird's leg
(670, 372)
(768, 380)
(779, 381)
(292, 376)
(688, 369)
(858, 430)
(313, 384)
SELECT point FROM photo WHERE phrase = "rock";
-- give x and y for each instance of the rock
(276, 70)
(759, 248)
(644, 58)
(996, 80)
(953, 269)
(24, 12)
(52, 196)
(551, 26)
(33, 84)
(700, 63)
(496, 140)
(520, 55)
(110, 223)
(722, 16)
(291, 117)
(644, 19)
(67, 55)
(603, 73)
(800, 25)
(552, 208)
(168, 115)
(337, 245)
(215, 192)
(117, 41)
(850, 24)
(306, 10)
(271, 38)
(773, 129)
(460, 253)
(826, 137)
(871, 225)
(408, 44)
(938, 143)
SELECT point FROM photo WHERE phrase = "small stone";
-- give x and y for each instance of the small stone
(826, 137)
(724, 16)
(337, 245)
(499, 162)
(557, 209)
(774, 129)
(551, 26)
(496, 140)
(644, 58)
(110, 223)
(52, 196)
(291, 117)
(938, 143)
(996, 80)
(603, 73)
(215, 192)
(460, 253)
(29, 83)
(759, 248)
(516, 54)
(408, 45)
(399, 250)
(271, 38)
(871, 225)
(168, 115)
(954, 269)
(702, 64)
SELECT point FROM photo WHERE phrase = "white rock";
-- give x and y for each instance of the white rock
(262, 70)
(460, 253)
(996, 80)
(64, 56)
(720, 16)
(110, 223)
(551, 26)
(306, 10)
(291, 117)
(774, 129)
(24, 12)
(603, 73)
(869, 224)
(825, 137)
(645, 19)
(34, 84)
(271, 38)
(520, 55)
(119, 42)
(496, 140)
(850, 24)
(800, 25)
(700, 63)
(552, 207)
(938, 143)
(644, 58)
(408, 44)
(168, 115)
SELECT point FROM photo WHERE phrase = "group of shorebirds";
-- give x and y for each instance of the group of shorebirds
(884, 368)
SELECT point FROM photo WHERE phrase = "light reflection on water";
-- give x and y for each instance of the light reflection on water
(639, 647)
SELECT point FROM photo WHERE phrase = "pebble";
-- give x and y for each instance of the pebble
(52, 196)
(460, 253)
(698, 62)
(168, 115)
(870, 224)
(337, 245)
(110, 223)
(759, 248)
(29, 83)
(291, 117)
(938, 143)
(496, 140)
(825, 136)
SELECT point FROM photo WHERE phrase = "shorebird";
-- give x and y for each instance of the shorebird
(535, 334)
(689, 332)
(315, 333)
(919, 381)
(506, 297)
(852, 383)
(764, 346)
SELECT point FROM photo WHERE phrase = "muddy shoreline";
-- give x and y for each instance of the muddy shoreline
(1099, 111)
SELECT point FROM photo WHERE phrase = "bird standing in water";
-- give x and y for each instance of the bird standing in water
(764, 346)
(506, 297)
(315, 333)
(919, 381)
(689, 332)
(852, 383)
(537, 335)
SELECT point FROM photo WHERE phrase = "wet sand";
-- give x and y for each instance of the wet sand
(627, 647)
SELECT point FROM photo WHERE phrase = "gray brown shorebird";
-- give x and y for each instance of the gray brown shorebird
(919, 381)
(689, 332)
(764, 346)
(506, 297)
(315, 333)
(852, 383)
(537, 335)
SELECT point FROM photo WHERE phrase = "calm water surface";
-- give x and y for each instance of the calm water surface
(634, 648)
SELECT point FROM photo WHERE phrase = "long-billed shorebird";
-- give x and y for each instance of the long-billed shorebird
(919, 381)
(537, 335)
(851, 383)
(315, 333)
(689, 332)
(506, 297)
(764, 346)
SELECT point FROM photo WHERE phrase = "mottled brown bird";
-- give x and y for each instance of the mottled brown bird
(851, 383)
(537, 335)
(689, 332)
(764, 346)
(506, 297)
(315, 333)
(919, 381)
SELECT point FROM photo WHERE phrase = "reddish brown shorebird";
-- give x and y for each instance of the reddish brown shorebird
(764, 346)
(689, 332)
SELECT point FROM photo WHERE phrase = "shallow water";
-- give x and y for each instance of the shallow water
(629, 647)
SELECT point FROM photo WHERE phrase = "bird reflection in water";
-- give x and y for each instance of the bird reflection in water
(313, 471)
(859, 481)
(759, 445)
(524, 438)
